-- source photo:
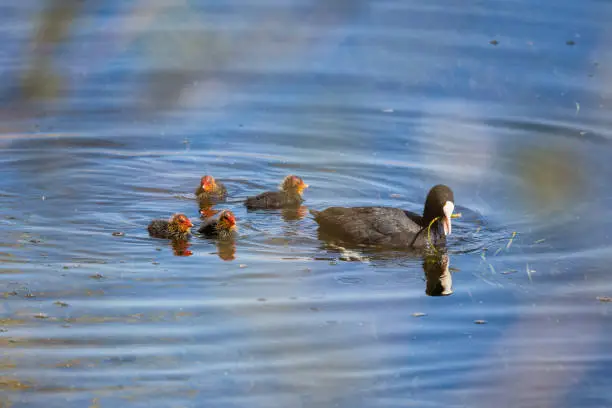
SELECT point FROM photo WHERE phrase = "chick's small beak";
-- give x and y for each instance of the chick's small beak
(448, 209)
(231, 221)
(188, 223)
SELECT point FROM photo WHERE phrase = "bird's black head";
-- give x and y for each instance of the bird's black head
(440, 203)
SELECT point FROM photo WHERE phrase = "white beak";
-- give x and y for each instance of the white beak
(448, 209)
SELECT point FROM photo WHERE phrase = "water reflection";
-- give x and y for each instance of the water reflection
(436, 265)
(322, 89)
(294, 214)
(438, 277)
(180, 247)
(206, 210)
(226, 249)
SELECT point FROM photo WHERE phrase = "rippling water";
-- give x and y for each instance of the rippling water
(110, 114)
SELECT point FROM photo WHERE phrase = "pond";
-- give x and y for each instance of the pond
(110, 115)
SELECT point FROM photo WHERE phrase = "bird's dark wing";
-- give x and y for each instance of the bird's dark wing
(270, 199)
(209, 227)
(368, 225)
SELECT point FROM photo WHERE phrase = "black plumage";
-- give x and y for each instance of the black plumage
(289, 196)
(390, 227)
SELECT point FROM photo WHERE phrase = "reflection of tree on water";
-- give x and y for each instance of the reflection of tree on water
(180, 247)
(437, 275)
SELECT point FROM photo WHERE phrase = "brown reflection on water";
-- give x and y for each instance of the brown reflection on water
(294, 214)
(439, 281)
(206, 211)
(553, 178)
(181, 247)
(186, 65)
(42, 80)
(226, 250)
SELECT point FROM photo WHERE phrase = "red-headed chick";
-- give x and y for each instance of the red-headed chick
(210, 190)
(177, 227)
(223, 226)
(290, 195)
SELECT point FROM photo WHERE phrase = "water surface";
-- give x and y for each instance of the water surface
(111, 114)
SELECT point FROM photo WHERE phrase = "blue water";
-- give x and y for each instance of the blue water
(110, 114)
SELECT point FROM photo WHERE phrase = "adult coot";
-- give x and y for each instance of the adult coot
(390, 227)
(290, 195)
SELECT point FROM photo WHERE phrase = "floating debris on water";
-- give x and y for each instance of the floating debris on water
(60, 303)
(395, 195)
(493, 42)
(509, 271)
(570, 42)
(118, 234)
(41, 316)
(604, 299)
(97, 276)
(509, 244)
(529, 271)
(419, 314)
(539, 241)
(480, 322)
(242, 266)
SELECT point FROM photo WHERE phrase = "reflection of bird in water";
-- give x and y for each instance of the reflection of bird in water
(290, 195)
(180, 247)
(391, 227)
(438, 277)
(207, 211)
(294, 214)
(226, 250)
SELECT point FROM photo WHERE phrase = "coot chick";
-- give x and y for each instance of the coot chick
(210, 190)
(223, 226)
(391, 227)
(178, 227)
(290, 195)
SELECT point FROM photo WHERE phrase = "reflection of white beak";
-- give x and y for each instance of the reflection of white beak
(448, 209)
